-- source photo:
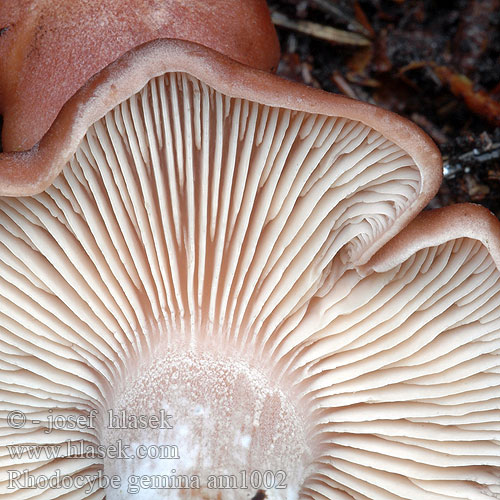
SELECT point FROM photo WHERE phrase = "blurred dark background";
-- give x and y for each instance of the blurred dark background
(436, 62)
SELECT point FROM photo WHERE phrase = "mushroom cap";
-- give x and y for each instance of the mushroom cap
(436, 227)
(182, 203)
(32, 171)
(50, 49)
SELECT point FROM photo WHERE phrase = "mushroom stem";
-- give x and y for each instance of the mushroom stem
(208, 419)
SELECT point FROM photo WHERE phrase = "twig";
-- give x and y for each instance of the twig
(478, 101)
(491, 154)
(329, 7)
(328, 33)
(342, 85)
(452, 165)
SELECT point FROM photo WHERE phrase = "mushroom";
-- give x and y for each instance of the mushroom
(211, 286)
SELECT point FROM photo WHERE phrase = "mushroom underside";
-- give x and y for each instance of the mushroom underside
(197, 260)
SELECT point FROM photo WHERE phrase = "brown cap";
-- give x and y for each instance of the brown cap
(49, 49)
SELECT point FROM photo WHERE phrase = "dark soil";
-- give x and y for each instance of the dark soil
(437, 63)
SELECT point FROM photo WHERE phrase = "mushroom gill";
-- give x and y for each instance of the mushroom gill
(203, 260)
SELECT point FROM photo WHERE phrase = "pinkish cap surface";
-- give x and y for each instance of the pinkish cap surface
(48, 50)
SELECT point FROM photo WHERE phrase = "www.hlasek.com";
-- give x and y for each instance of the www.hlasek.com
(83, 449)
(256, 480)
(86, 449)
